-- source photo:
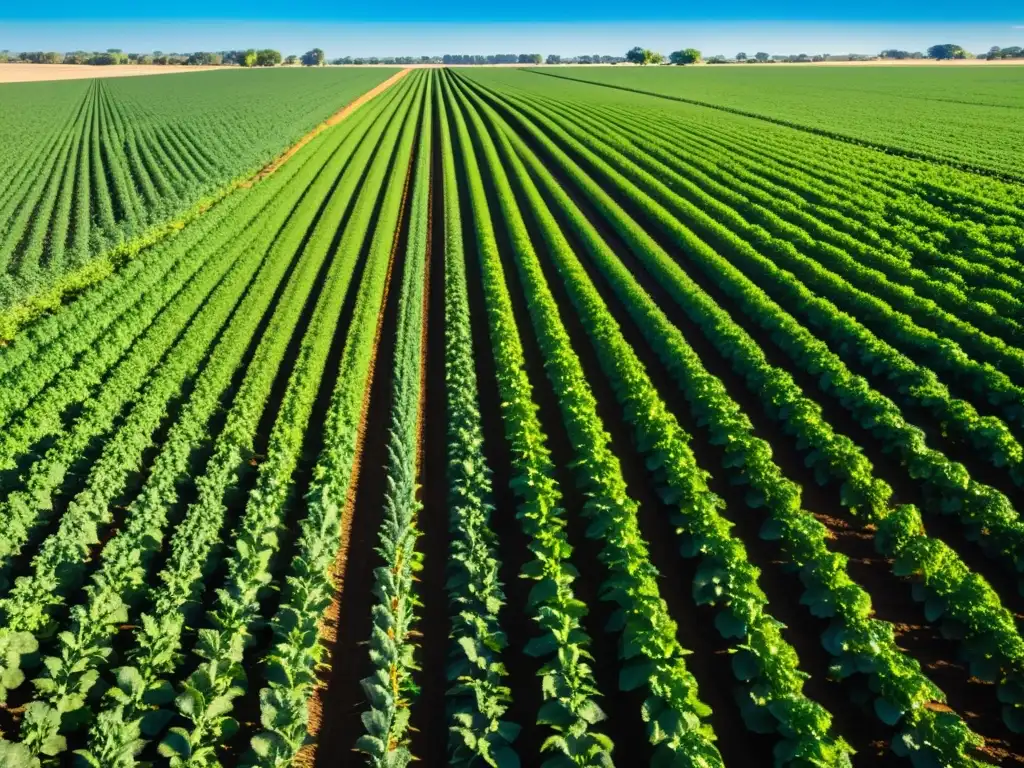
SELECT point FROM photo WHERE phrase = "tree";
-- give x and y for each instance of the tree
(741, 56)
(291, 59)
(685, 56)
(104, 59)
(761, 56)
(267, 57)
(247, 59)
(554, 58)
(636, 55)
(946, 51)
(313, 58)
(204, 58)
(643, 56)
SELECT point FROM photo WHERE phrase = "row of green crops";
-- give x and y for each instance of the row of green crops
(95, 165)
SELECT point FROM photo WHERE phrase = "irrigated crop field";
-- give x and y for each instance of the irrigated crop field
(521, 421)
(90, 165)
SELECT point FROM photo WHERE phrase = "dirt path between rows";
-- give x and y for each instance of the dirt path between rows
(334, 119)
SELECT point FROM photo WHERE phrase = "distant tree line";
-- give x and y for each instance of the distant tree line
(499, 58)
(893, 53)
(385, 61)
(584, 59)
(267, 57)
(448, 58)
(1013, 52)
(252, 57)
(643, 56)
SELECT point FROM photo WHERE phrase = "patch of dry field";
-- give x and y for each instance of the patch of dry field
(19, 72)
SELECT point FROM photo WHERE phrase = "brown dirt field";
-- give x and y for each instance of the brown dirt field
(19, 72)
(334, 119)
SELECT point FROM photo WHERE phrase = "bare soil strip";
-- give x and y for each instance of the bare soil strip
(20, 72)
(334, 119)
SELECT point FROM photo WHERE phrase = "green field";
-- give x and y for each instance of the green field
(970, 115)
(519, 421)
(92, 165)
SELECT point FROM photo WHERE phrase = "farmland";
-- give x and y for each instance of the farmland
(93, 166)
(518, 420)
(962, 115)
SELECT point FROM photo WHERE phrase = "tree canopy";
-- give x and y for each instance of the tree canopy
(685, 56)
(946, 51)
(642, 56)
(313, 58)
(1012, 52)
(267, 57)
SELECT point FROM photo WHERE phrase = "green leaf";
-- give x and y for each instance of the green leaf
(554, 712)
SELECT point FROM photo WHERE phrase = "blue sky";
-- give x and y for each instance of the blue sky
(918, 11)
(433, 38)
(413, 27)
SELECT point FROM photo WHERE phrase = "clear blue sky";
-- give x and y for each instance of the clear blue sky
(519, 10)
(397, 27)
